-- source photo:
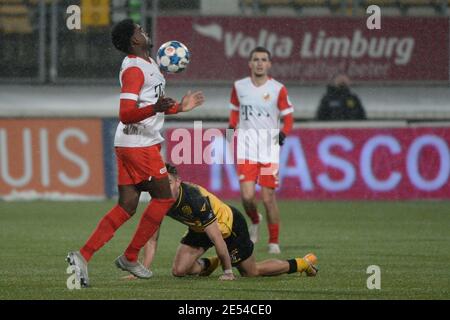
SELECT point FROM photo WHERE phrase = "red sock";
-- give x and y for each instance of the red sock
(253, 215)
(104, 231)
(149, 223)
(274, 230)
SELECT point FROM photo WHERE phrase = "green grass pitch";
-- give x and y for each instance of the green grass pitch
(409, 241)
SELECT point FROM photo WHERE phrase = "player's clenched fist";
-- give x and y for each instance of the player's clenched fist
(163, 104)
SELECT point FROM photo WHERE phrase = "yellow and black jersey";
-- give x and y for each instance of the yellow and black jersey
(197, 208)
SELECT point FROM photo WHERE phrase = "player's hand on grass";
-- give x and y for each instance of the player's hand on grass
(129, 277)
(163, 104)
(192, 100)
(227, 277)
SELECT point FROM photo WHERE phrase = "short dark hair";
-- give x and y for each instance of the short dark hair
(260, 49)
(121, 35)
(171, 169)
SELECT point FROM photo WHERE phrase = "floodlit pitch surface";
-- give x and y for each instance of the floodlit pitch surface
(409, 241)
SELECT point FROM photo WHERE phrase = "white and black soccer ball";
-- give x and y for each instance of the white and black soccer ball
(173, 57)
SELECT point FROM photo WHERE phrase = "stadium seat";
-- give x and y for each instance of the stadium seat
(14, 18)
(310, 3)
(13, 10)
(15, 25)
(421, 11)
(418, 3)
(303, 4)
(315, 11)
(391, 11)
(246, 2)
(36, 2)
(275, 2)
(430, 4)
(407, 7)
(381, 3)
(281, 11)
(316, 7)
(388, 7)
(266, 3)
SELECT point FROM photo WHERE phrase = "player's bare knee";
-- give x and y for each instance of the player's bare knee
(269, 202)
(248, 194)
(268, 199)
(178, 272)
(248, 200)
(249, 273)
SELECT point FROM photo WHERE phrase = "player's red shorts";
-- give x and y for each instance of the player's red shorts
(266, 174)
(135, 165)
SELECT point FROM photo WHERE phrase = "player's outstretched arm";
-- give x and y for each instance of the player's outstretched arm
(150, 250)
(191, 101)
(131, 113)
(215, 236)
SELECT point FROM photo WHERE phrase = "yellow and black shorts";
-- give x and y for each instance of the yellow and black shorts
(239, 244)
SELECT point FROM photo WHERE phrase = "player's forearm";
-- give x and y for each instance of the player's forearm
(149, 254)
(215, 235)
(288, 123)
(234, 119)
(130, 113)
(224, 256)
(150, 250)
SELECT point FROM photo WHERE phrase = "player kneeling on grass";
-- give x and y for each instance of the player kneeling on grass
(213, 223)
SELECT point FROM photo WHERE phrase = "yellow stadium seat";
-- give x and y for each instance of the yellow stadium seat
(275, 2)
(381, 3)
(15, 25)
(36, 2)
(4, 2)
(417, 2)
(14, 18)
(13, 10)
(266, 3)
(310, 3)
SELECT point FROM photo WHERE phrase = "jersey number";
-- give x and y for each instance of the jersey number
(158, 91)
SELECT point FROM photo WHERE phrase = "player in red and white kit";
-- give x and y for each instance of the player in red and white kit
(137, 147)
(257, 104)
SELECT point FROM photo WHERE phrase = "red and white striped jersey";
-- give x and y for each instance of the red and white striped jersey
(141, 81)
(260, 110)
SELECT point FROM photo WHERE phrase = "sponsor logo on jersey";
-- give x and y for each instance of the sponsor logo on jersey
(187, 210)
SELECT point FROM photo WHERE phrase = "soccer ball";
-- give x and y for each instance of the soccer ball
(173, 57)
